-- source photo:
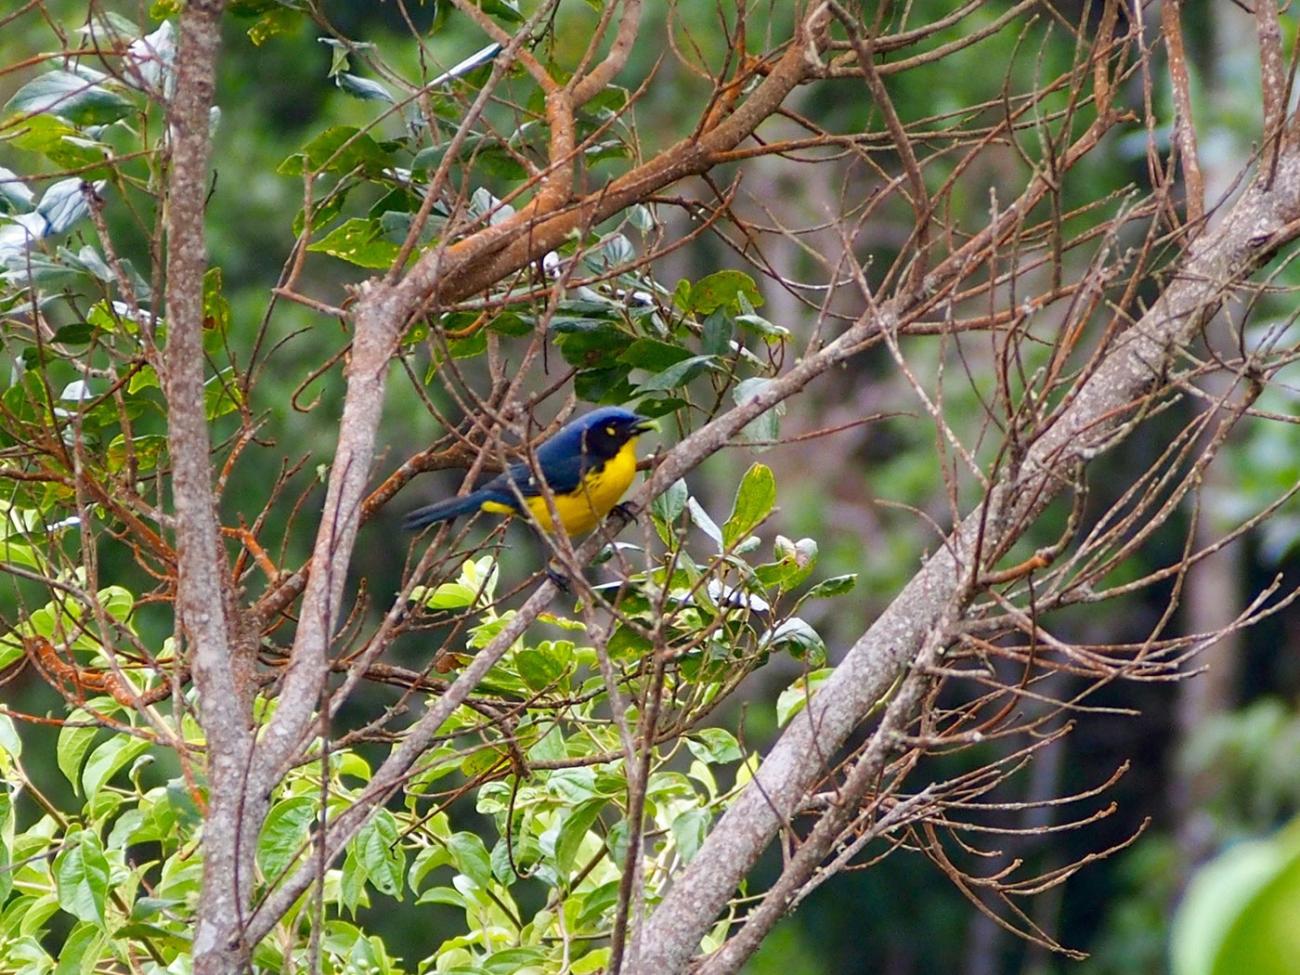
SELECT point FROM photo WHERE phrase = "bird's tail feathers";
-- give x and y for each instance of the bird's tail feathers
(444, 510)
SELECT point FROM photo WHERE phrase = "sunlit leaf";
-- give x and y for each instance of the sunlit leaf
(284, 834)
(221, 395)
(501, 8)
(470, 857)
(754, 502)
(279, 20)
(1239, 913)
(9, 740)
(723, 288)
(358, 241)
(59, 142)
(575, 828)
(689, 831)
(714, 745)
(107, 759)
(794, 698)
(381, 854)
(81, 872)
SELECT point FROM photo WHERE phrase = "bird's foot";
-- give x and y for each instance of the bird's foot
(558, 577)
(627, 511)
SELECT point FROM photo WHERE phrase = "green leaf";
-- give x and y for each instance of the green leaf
(284, 835)
(147, 448)
(221, 394)
(216, 309)
(678, 375)
(834, 586)
(589, 342)
(9, 739)
(339, 149)
(145, 378)
(592, 962)
(381, 855)
(761, 326)
(508, 961)
(626, 643)
(765, 427)
(1239, 913)
(81, 873)
(714, 746)
(80, 953)
(428, 859)
(16, 553)
(118, 601)
(797, 638)
(670, 504)
(689, 830)
(501, 8)
(599, 901)
(449, 595)
(352, 882)
(470, 857)
(77, 333)
(718, 329)
(15, 197)
(351, 765)
(704, 522)
(724, 289)
(794, 698)
(443, 895)
(280, 20)
(73, 743)
(653, 355)
(755, 499)
(539, 669)
(59, 142)
(358, 241)
(6, 867)
(338, 49)
(575, 828)
(69, 96)
(107, 759)
(603, 385)
(795, 562)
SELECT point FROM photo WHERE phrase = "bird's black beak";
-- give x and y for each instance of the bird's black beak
(644, 425)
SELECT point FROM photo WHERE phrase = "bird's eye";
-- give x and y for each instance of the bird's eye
(610, 430)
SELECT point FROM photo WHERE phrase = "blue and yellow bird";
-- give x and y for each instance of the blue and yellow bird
(586, 466)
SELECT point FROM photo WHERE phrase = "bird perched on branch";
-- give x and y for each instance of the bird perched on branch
(586, 467)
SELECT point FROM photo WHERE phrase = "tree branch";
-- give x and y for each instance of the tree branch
(1259, 223)
(205, 603)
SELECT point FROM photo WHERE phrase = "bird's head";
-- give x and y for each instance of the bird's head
(602, 433)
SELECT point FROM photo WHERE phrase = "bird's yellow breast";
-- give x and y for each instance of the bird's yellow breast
(581, 510)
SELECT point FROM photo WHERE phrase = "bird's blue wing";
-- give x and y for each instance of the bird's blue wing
(563, 474)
